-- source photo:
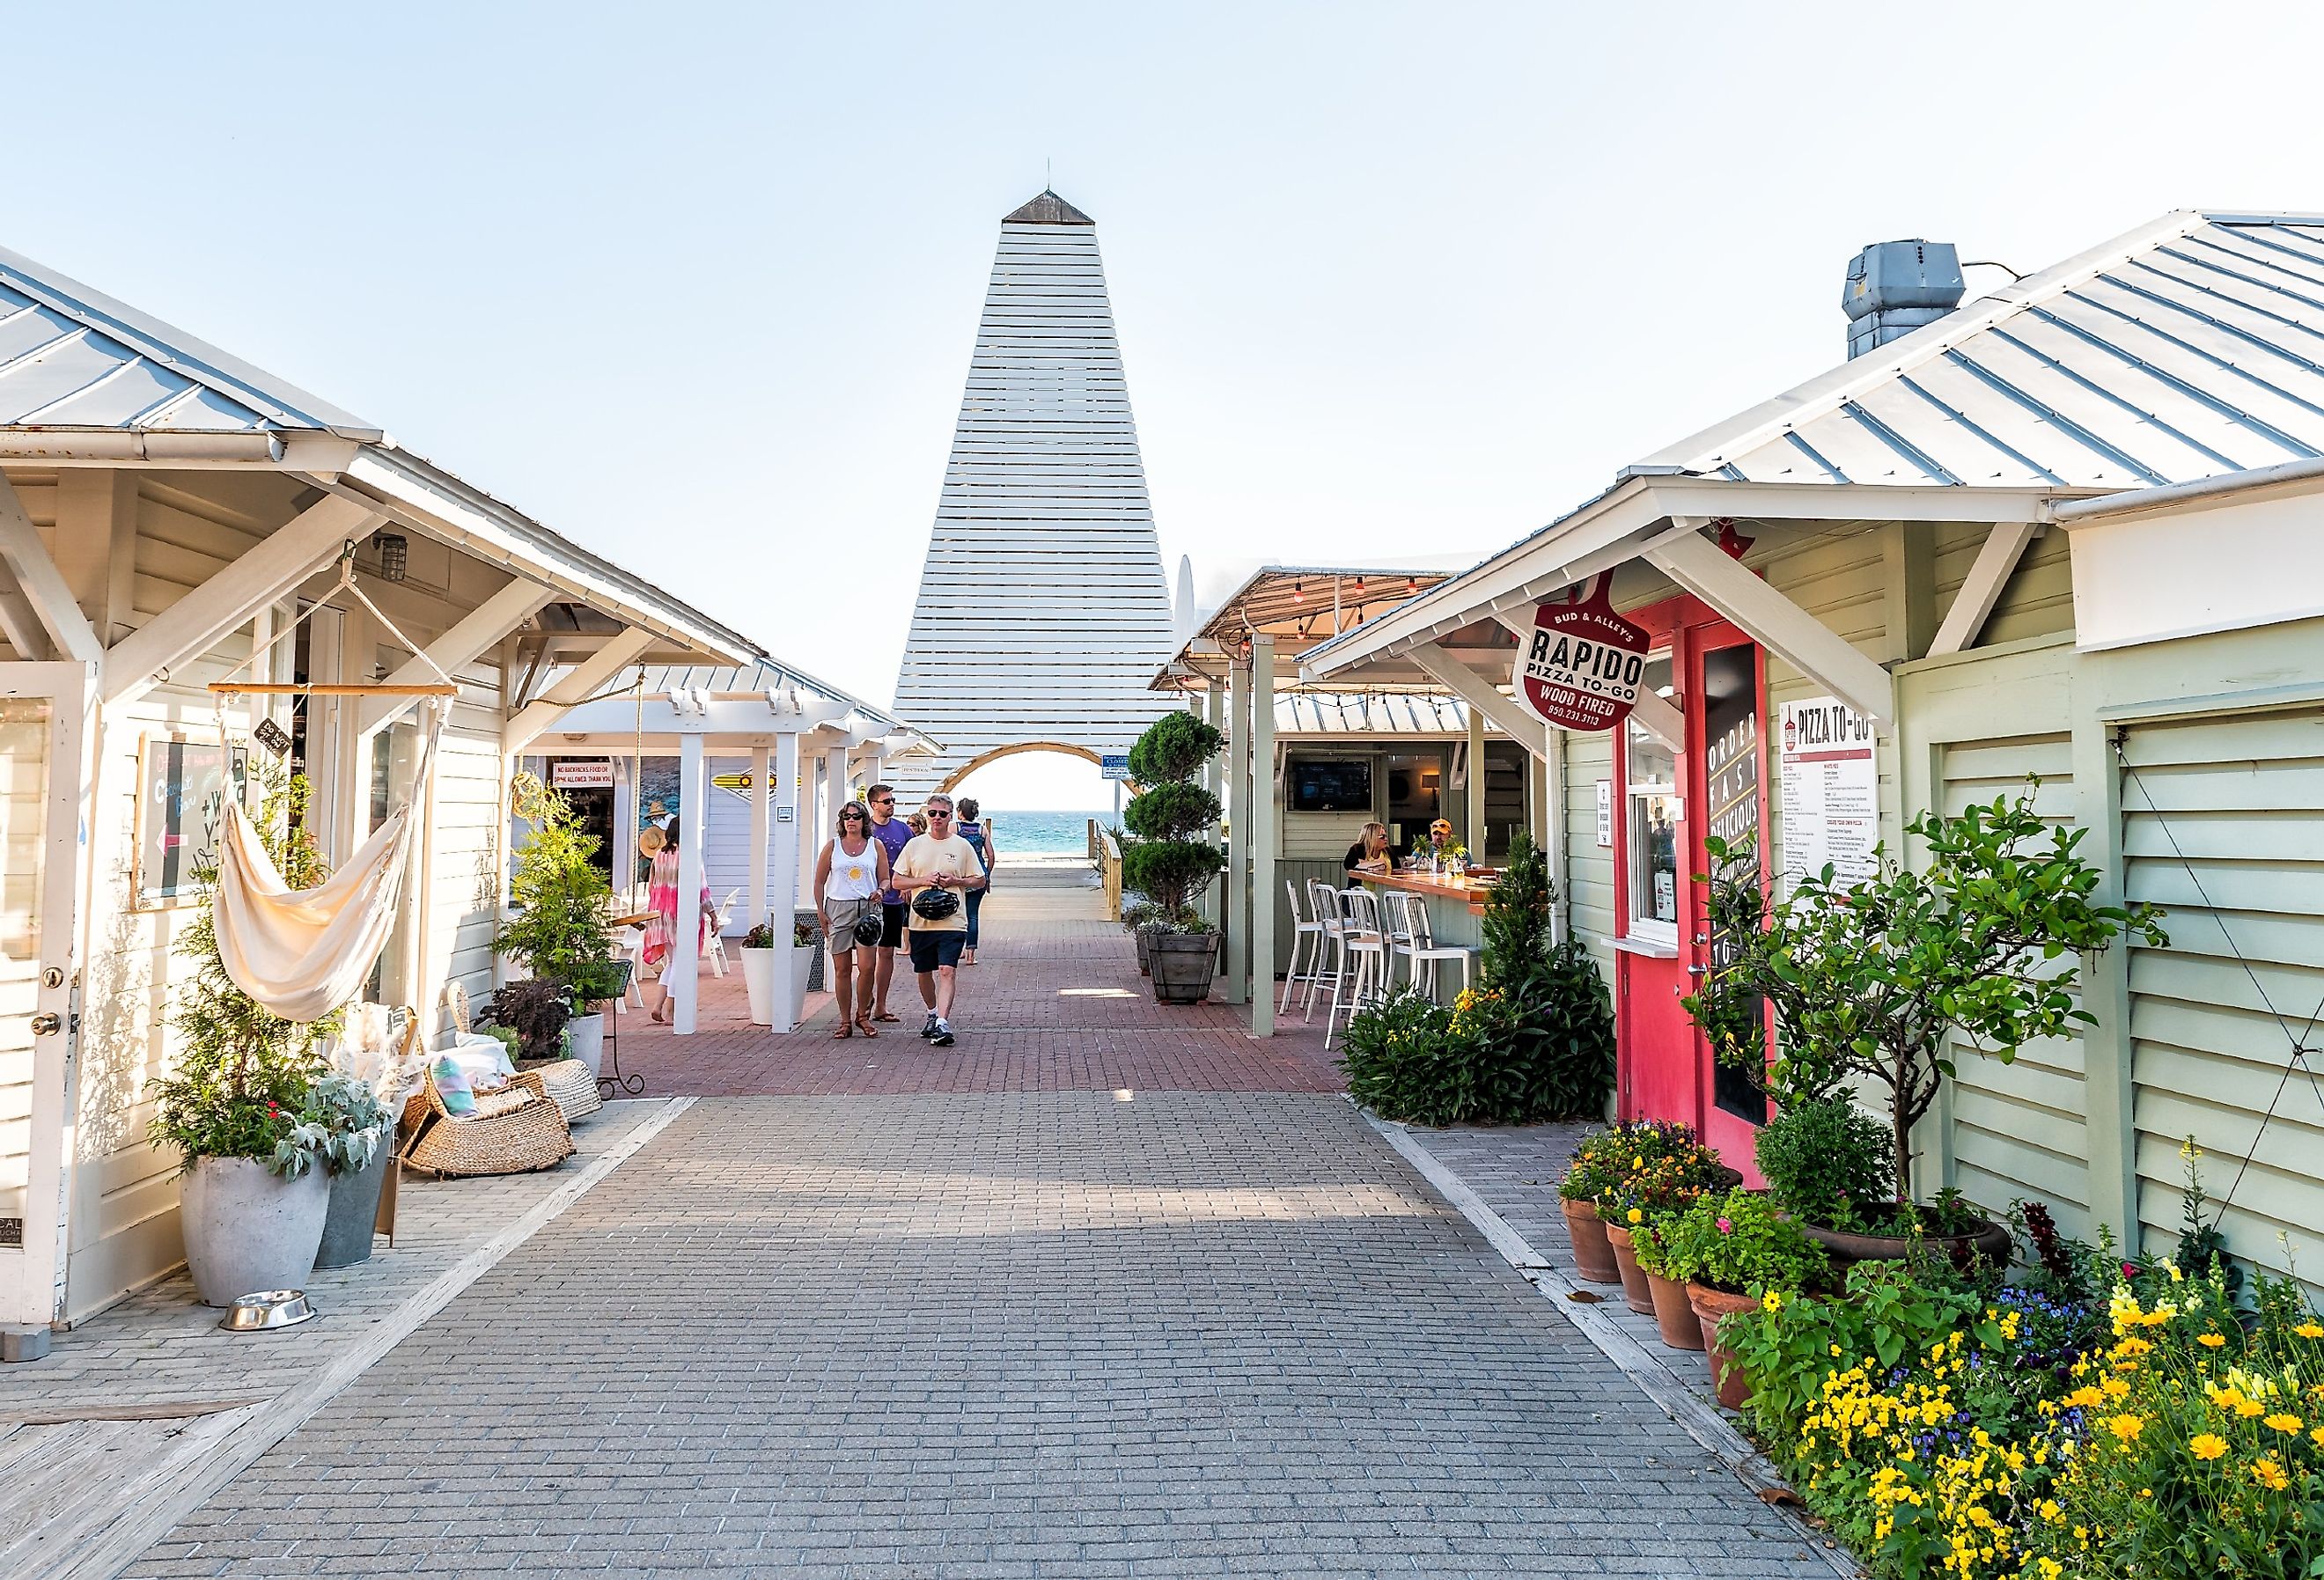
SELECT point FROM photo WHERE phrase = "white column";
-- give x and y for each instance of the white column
(784, 883)
(686, 949)
(761, 805)
(835, 791)
(1236, 900)
(1214, 904)
(1262, 836)
(800, 787)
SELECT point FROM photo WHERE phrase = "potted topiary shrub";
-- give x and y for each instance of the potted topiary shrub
(538, 1011)
(561, 904)
(250, 1201)
(759, 973)
(1733, 1252)
(1879, 979)
(1166, 864)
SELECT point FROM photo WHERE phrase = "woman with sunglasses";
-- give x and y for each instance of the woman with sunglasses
(848, 878)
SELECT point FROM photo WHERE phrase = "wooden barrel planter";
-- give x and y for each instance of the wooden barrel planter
(1184, 965)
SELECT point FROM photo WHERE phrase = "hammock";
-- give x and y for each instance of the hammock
(302, 953)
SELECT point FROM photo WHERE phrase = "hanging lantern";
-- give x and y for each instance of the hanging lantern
(394, 555)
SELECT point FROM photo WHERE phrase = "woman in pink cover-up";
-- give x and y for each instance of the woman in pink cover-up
(661, 931)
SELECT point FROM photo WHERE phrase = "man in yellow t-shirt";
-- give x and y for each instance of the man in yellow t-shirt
(940, 861)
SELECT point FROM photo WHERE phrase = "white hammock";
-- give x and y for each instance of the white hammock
(302, 953)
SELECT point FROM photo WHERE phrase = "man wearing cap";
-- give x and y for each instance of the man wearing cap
(934, 872)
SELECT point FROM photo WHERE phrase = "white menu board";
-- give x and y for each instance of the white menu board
(1830, 787)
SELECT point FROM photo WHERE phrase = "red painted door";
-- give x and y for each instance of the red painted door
(1725, 714)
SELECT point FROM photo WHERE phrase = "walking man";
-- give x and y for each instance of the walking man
(893, 833)
(936, 870)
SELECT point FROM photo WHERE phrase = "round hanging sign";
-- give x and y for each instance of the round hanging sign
(1582, 667)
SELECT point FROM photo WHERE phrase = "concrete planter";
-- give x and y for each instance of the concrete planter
(354, 1207)
(758, 981)
(247, 1230)
(584, 1039)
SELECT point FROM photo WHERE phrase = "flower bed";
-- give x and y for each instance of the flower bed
(2105, 1418)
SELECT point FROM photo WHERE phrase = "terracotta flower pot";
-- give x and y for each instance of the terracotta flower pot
(1675, 1313)
(1634, 1277)
(1989, 1241)
(1709, 1305)
(1593, 1258)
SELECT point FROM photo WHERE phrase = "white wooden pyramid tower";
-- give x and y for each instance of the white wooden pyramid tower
(1043, 612)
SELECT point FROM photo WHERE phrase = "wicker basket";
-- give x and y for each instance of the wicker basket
(566, 1082)
(512, 1132)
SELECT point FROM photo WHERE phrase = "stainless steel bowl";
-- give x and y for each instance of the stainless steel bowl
(268, 1309)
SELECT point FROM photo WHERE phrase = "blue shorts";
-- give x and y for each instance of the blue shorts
(930, 950)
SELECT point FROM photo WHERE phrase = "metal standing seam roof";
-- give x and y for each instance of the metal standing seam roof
(73, 359)
(766, 675)
(1355, 713)
(2191, 346)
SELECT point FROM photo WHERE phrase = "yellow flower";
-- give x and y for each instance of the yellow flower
(2270, 1475)
(2248, 1407)
(2126, 1426)
(1771, 1300)
(1635, 1217)
(2283, 1423)
(1637, 1160)
(2310, 1330)
(2210, 1341)
(2206, 1444)
(2052, 1569)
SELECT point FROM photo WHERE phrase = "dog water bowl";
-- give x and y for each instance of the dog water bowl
(268, 1309)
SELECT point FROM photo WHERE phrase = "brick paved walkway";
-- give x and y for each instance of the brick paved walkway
(1053, 1003)
(1108, 1290)
(1026, 1334)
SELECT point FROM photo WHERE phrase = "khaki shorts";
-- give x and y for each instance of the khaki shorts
(839, 923)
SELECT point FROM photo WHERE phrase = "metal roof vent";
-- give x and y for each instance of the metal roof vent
(1894, 287)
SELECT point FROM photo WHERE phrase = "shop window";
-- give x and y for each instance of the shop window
(1415, 797)
(1654, 811)
(1732, 775)
(1508, 769)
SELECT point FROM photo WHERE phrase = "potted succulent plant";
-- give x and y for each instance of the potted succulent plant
(759, 973)
(1166, 863)
(1731, 1252)
(1879, 981)
(346, 1125)
(251, 1201)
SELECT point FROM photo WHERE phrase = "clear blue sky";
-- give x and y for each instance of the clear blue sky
(697, 287)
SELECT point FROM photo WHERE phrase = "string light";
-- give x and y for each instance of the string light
(1299, 592)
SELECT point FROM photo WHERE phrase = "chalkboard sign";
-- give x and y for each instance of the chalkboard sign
(1341, 784)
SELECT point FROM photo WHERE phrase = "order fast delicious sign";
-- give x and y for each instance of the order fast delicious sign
(1583, 665)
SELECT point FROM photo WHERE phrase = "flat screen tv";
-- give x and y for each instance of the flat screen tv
(1330, 784)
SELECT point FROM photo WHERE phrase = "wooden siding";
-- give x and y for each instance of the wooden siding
(1590, 900)
(2223, 824)
(2019, 1129)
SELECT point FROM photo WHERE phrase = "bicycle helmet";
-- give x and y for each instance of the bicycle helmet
(869, 928)
(935, 905)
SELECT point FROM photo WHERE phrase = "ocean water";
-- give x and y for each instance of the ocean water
(1043, 833)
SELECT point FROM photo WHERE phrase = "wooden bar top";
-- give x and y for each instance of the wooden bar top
(1470, 891)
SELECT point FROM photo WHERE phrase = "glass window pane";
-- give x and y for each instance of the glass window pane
(24, 725)
(1654, 812)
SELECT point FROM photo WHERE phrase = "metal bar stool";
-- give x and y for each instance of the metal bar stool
(1324, 906)
(1396, 924)
(1421, 949)
(1361, 942)
(1304, 928)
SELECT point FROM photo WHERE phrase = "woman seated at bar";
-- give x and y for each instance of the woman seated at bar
(1369, 851)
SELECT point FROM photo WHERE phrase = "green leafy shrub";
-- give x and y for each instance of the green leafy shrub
(1173, 748)
(1824, 1158)
(1166, 864)
(1171, 810)
(1872, 979)
(243, 1073)
(1402, 1065)
(1739, 1242)
(343, 1123)
(1559, 1028)
(560, 899)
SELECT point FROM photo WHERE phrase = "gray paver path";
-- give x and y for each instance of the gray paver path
(1033, 1334)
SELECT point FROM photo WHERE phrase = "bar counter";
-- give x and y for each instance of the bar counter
(1464, 892)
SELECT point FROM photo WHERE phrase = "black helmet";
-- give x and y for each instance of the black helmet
(935, 905)
(869, 928)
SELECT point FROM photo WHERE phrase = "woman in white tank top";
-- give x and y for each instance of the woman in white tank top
(848, 878)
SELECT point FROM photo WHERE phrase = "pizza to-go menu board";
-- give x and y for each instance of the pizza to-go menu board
(1829, 781)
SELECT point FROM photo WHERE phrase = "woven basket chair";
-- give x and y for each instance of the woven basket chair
(515, 1130)
(566, 1082)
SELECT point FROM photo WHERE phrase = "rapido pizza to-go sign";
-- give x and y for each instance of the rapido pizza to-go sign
(1581, 668)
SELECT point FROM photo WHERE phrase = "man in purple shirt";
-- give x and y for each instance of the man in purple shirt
(893, 833)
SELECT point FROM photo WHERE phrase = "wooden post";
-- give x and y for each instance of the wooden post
(1476, 812)
(763, 800)
(1235, 900)
(1262, 836)
(686, 949)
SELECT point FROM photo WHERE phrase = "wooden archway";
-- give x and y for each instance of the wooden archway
(995, 755)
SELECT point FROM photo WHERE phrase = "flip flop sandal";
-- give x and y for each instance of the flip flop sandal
(886, 1018)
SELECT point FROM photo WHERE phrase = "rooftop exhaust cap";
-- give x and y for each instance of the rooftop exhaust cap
(1894, 287)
